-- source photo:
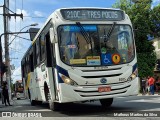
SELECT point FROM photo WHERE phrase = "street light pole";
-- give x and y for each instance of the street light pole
(35, 24)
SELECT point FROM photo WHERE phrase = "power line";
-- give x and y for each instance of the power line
(21, 38)
(34, 17)
(22, 4)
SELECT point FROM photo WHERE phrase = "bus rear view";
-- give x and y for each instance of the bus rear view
(19, 89)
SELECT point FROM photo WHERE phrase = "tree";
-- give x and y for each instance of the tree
(140, 15)
(155, 21)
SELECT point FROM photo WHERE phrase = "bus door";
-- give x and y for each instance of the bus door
(50, 64)
(30, 80)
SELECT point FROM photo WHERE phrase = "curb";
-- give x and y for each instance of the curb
(149, 94)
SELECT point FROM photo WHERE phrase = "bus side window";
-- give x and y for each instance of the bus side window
(38, 52)
(31, 62)
(34, 53)
(42, 47)
(48, 51)
(26, 65)
(25, 68)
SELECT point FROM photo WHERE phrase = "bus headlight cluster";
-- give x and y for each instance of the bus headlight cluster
(68, 80)
(133, 75)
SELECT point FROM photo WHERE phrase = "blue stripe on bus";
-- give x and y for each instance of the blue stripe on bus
(134, 67)
(62, 71)
(60, 79)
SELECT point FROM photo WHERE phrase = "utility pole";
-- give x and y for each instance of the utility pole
(6, 41)
(6, 16)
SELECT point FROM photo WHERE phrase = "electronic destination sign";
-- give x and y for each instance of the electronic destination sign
(92, 14)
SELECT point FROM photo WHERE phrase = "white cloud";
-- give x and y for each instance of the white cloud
(38, 13)
(16, 74)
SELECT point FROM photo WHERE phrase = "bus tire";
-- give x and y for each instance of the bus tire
(106, 102)
(53, 106)
(33, 102)
(39, 102)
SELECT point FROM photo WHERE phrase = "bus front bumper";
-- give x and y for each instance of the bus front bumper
(69, 93)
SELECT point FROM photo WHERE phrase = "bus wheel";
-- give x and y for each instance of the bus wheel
(53, 105)
(33, 102)
(39, 102)
(106, 102)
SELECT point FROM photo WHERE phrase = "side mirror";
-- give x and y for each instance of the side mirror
(52, 36)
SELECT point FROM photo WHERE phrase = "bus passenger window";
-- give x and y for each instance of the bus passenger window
(35, 58)
(31, 62)
(38, 52)
(42, 44)
(48, 50)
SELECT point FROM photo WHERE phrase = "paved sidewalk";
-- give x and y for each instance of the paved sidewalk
(148, 94)
(3, 105)
(15, 104)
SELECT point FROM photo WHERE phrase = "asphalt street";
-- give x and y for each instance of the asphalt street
(134, 106)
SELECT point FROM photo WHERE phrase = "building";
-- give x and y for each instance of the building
(156, 44)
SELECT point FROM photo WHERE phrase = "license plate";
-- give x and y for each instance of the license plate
(104, 89)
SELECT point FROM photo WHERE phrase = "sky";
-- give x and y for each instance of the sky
(37, 11)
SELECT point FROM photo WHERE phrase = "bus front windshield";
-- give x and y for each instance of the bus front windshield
(95, 45)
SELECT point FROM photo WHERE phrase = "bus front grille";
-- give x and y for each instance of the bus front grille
(103, 94)
(101, 76)
(91, 92)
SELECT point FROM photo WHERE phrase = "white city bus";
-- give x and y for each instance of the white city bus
(82, 54)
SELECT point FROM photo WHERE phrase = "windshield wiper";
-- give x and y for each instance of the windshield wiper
(86, 36)
(107, 37)
(82, 30)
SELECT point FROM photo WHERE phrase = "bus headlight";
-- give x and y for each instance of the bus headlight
(68, 80)
(133, 75)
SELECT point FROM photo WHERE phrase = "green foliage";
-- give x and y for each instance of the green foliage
(144, 20)
(146, 64)
(123, 5)
(155, 21)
